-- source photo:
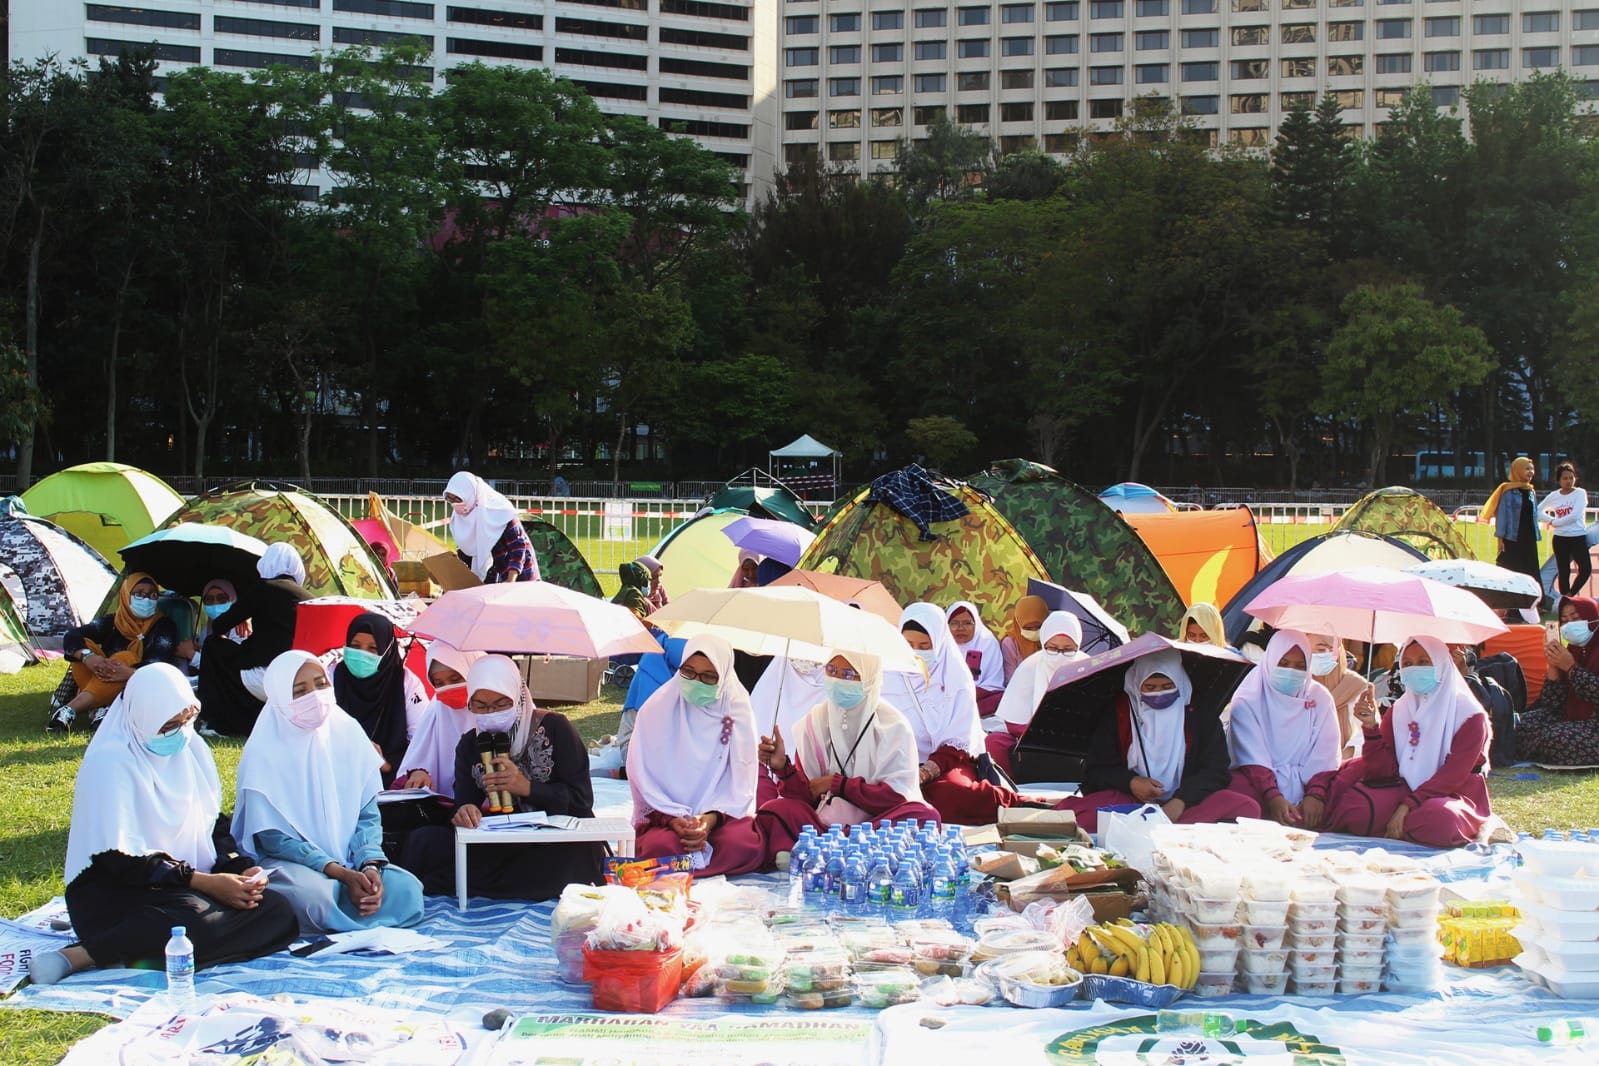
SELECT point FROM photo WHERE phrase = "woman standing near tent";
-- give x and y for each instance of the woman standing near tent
(854, 760)
(489, 538)
(544, 767)
(1430, 787)
(1511, 508)
(106, 651)
(308, 786)
(150, 849)
(657, 591)
(980, 648)
(1562, 728)
(233, 673)
(1283, 731)
(1566, 508)
(1155, 749)
(1329, 665)
(1060, 633)
(1202, 624)
(1022, 640)
(692, 767)
(374, 687)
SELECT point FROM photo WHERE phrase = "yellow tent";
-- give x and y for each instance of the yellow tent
(106, 505)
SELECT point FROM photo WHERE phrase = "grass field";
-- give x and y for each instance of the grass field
(1279, 537)
(40, 768)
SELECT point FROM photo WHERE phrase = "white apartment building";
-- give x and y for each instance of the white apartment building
(858, 75)
(708, 69)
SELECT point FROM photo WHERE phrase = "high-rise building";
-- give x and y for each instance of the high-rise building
(707, 69)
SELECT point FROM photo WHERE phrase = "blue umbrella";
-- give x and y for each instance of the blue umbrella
(186, 556)
(783, 541)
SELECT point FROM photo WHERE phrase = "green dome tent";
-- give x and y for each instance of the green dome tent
(560, 562)
(1406, 515)
(697, 554)
(763, 501)
(106, 505)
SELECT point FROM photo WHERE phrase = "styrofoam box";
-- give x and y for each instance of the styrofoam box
(1565, 893)
(1556, 978)
(1571, 956)
(1558, 858)
(1557, 924)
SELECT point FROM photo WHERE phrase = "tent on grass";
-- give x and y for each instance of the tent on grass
(697, 555)
(1407, 515)
(338, 560)
(560, 561)
(978, 556)
(16, 643)
(106, 505)
(1336, 550)
(1209, 555)
(763, 501)
(1081, 545)
(1132, 498)
(55, 580)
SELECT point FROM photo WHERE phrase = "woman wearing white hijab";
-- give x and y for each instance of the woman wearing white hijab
(307, 797)
(1058, 637)
(1283, 732)
(853, 761)
(1155, 749)
(429, 761)
(149, 849)
(692, 766)
(979, 647)
(1422, 773)
(541, 765)
(488, 534)
(232, 672)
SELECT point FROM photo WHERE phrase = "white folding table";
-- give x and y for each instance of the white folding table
(617, 832)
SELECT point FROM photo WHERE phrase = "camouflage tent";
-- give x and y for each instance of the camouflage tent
(978, 557)
(1083, 545)
(560, 562)
(16, 643)
(1407, 515)
(338, 560)
(55, 579)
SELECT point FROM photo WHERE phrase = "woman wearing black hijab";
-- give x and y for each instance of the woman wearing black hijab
(373, 686)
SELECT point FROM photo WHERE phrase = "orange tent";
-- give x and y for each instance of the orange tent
(1209, 555)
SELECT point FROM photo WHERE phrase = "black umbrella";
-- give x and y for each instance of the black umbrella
(1083, 693)
(1101, 632)
(188, 555)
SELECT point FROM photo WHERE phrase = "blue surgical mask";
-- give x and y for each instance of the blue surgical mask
(697, 693)
(1287, 680)
(214, 611)
(845, 694)
(1422, 680)
(1323, 663)
(360, 663)
(1159, 701)
(142, 606)
(1577, 633)
(927, 655)
(168, 743)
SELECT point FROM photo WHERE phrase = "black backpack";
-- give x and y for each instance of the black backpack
(1504, 669)
(1501, 708)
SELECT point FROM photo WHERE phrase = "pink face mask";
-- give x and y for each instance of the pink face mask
(311, 710)
(463, 509)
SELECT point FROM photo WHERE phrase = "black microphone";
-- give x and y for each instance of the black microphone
(490, 747)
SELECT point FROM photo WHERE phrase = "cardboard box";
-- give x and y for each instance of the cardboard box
(1037, 824)
(411, 576)
(560, 679)
(1112, 893)
(449, 572)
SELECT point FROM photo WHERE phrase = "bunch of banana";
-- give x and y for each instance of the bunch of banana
(1162, 954)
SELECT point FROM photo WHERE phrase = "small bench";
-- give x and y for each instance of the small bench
(617, 832)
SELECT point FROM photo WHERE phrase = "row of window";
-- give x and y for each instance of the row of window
(1023, 14)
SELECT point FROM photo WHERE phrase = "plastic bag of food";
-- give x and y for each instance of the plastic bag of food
(627, 923)
(575, 917)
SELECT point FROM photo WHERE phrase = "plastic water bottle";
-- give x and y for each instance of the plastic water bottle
(907, 893)
(180, 968)
(816, 878)
(943, 886)
(1567, 1031)
(880, 882)
(1204, 1023)
(834, 872)
(798, 856)
(852, 884)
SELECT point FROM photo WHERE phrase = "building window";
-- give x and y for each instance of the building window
(931, 49)
(847, 23)
(1201, 105)
(971, 49)
(844, 120)
(888, 20)
(795, 25)
(465, 46)
(1441, 27)
(1061, 45)
(888, 85)
(1013, 14)
(843, 86)
(1201, 38)
(630, 31)
(1145, 9)
(138, 16)
(1491, 59)
(1389, 97)
(888, 53)
(1395, 64)
(972, 81)
(1248, 6)
(885, 149)
(1540, 57)
(1299, 68)
(1246, 36)
(844, 53)
(1345, 66)
(1105, 76)
(1445, 95)
(1299, 33)
(399, 9)
(594, 57)
(1016, 112)
(1490, 25)
(1016, 46)
(291, 31)
(888, 116)
(170, 53)
(699, 98)
(972, 16)
(1251, 69)
(799, 120)
(1586, 20)
(1104, 109)
(1061, 12)
(238, 57)
(1152, 74)
(972, 114)
(928, 83)
(844, 152)
(1249, 138)
(1199, 7)
(479, 17)
(1350, 99)
(1060, 77)
(1540, 22)
(1293, 100)
(799, 88)
(1105, 42)
(1201, 71)
(1343, 32)
(1015, 79)
(1393, 29)
(799, 153)
(1249, 104)
(926, 116)
(1152, 41)
(1060, 111)
(1106, 9)
(1440, 62)
(801, 57)
(930, 17)
(1585, 55)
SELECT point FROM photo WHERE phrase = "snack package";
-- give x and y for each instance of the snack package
(634, 873)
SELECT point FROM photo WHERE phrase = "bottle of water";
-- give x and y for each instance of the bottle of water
(907, 894)
(942, 886)
(180, 968)
(834, 871)
(880, 882)
(1567, 1031)
(798, 856)
(852, 884)
(816, 878)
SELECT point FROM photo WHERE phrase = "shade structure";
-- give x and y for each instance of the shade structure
(1101, 632)
(534, 618)
(1499, 588)
(783, 541)
(784, 620)
(868, 594)
(187, 556)
(1377, 605)
(107, 505)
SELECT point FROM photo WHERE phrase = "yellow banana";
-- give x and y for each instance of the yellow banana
(1143, 970)
(1127, 937)
(1120, 968)
(1157, 967)
(1074, 958)
(1128, 922)
(1107, 944)
(1086, 947)
(1177, 976)
(1099, 965)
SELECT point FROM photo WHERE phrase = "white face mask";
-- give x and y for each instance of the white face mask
(463, 509)
(1323, 663)
(496, 721)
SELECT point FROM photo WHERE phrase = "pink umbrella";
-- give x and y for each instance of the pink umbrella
(535, 618)
(1377, 605)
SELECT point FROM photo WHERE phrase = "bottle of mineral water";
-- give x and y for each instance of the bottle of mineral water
(180, 968)
(880, 882)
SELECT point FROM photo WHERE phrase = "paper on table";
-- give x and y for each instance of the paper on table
(400, 795)
(528, 820)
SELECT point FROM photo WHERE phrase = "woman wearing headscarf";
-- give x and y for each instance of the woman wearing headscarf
(650, 673)
(981, 651)
(1022, 638)
(106, 651)
(853, 760)
(1155, 749)
(1060, 634)
(233, 672)
(634, 593)
(1422, 773)
(1202, 624)
(488, 534)
(308, 785)
(692, 767)
(1330, 667)
(373, 686)
(1561, 728)
(1513, 510)
(149, 847)
(543, 766)
(1283, 732)
(745, 574)
(657, 591)
(429, 760)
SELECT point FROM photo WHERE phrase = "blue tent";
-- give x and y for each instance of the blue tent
(1132, 498)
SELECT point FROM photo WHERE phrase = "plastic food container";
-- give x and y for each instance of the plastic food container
(824, 970)
(1224, 934)
(1264, 936)
(1266, 984)
(1212, 911)
(942, 944)
(1216, 960)
(1558, 858)
(1361, 888)
(1313, 891)
(1309, 957)
(841, 997)
(1265, 912)
(1358, 955)
(1318, 911)
(1034, 979)
(1318, 974)
(1264, 961)
(1556, 924)
(1358, 986)
(1392, 984)
(1415, 934)
(1212, 985)
(1002, 942)
(1412, 893)
(1311, 940)
(957, 991)
(1566, 893)
(1305, 986)
(1266, 884)
(885, 988)
(1365, 925)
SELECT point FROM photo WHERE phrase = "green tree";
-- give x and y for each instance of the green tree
(947, 164)
(1394, 356)
(1025, 176)
(1311, 171)
(942, 440)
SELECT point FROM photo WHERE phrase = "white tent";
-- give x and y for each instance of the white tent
(804, 469)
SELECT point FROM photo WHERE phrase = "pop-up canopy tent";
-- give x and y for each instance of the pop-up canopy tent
(807, 453)
(106, 505)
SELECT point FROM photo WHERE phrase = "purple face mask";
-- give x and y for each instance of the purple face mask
(1159, 701)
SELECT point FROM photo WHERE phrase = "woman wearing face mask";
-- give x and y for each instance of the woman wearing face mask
(1561, 728)
(1022, 640)
(429, 761)
(106, 651)
(692, 767)
(233, 672)
(745, 573)
(307, 798)
(1512, 510)
(1202, 624)
(657, 591)
(149, 847)
(1283, 732)
(1421, 775)
(374, 687)
(1155, 749)
(980, 650)
(488, 534)
(853, 760)
(1060, 633)
(544, 767)
(1331, 670)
